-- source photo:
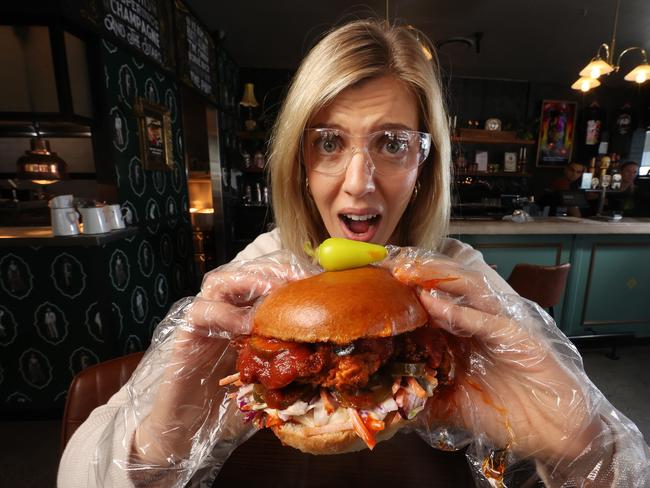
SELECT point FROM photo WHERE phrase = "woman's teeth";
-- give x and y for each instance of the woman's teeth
(359, 217)
(359, 224)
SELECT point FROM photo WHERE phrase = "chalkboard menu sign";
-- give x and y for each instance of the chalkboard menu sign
(195, 51)
(143, 25)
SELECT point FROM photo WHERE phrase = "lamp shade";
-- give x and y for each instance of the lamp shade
(249, 100)
(639, 74)
(41, 165)
(596, 68)
(585, 84)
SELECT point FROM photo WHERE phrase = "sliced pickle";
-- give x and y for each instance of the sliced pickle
(258, 393)
(268, 347)
(407, 369)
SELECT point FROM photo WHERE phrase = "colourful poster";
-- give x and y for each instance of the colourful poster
(556, 131)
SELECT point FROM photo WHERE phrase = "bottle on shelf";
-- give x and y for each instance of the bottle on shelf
(248, 195)
(521, 163)
(258, 193)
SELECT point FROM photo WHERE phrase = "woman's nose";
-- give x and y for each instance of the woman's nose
(359, 175)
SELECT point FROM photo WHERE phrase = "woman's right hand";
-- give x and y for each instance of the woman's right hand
(190, 408)
(512, 385)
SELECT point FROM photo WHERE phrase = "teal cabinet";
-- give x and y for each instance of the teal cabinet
(608, 288)
(611, 290)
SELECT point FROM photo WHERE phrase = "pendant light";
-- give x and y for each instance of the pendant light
(40, 164)
(603, 63)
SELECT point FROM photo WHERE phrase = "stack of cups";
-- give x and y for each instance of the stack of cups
(65, 219)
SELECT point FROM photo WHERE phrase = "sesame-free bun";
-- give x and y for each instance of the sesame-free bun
(339, 307)
(293, 435)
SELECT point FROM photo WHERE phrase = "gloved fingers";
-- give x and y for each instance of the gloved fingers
(223, 306)
(240, 287)
(212, 318)
(445, 275)
(467, 321)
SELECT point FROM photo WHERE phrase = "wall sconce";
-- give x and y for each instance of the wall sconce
(249, 100)
(604, 64)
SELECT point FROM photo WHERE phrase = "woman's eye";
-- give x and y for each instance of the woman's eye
(395, 145)
(328, 145)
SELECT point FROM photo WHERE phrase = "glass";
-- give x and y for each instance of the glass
(391, 152)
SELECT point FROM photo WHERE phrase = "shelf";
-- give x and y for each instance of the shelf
(485, 173)
(254, 205)
(480, 136)
(493, 140)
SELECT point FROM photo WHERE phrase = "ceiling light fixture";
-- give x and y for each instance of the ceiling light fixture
(603, 63)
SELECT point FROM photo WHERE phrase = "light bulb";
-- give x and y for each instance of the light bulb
(641, 77)
(585, 86)
(595, 73)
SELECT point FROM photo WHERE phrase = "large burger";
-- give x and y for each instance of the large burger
(339, 361)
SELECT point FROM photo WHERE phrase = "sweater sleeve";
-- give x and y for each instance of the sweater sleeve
(264, 244)
(76, 468)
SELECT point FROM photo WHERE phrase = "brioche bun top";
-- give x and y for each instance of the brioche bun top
(340, 307)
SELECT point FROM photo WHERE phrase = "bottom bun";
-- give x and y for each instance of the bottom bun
(291, 434)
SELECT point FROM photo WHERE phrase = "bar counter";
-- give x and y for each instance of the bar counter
(42, 236)
(550, 225)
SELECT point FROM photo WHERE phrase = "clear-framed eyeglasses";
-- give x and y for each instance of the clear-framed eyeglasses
(390, 152)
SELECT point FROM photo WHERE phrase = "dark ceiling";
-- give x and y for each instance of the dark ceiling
(540, 40)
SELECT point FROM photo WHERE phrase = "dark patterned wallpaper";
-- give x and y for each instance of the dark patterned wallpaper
(155, 201)
(65, 308)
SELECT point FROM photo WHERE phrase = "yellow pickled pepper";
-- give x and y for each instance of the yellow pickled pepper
(336, 253)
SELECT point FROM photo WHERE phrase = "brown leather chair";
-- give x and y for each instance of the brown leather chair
(543, 285)
(93, 387)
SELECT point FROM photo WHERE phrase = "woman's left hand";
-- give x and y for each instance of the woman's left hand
(514, 386)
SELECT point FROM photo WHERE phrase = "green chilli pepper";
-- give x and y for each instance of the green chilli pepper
(336, 253)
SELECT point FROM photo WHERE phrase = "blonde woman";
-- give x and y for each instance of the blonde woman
(360, 150)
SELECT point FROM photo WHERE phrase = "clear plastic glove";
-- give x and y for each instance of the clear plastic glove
(520, 389)
(178, 419)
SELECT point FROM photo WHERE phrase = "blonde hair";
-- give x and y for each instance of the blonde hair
(346, 56)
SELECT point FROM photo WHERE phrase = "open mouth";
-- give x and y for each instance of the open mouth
(360, 226)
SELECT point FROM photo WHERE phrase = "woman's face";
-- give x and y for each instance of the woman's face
(360, 204)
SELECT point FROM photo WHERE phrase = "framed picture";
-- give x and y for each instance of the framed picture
(556, 131)
(510, 162)
(155, 129)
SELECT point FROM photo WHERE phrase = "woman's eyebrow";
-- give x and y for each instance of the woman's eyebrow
(384, 126)
(325, 125)
(394, 126)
